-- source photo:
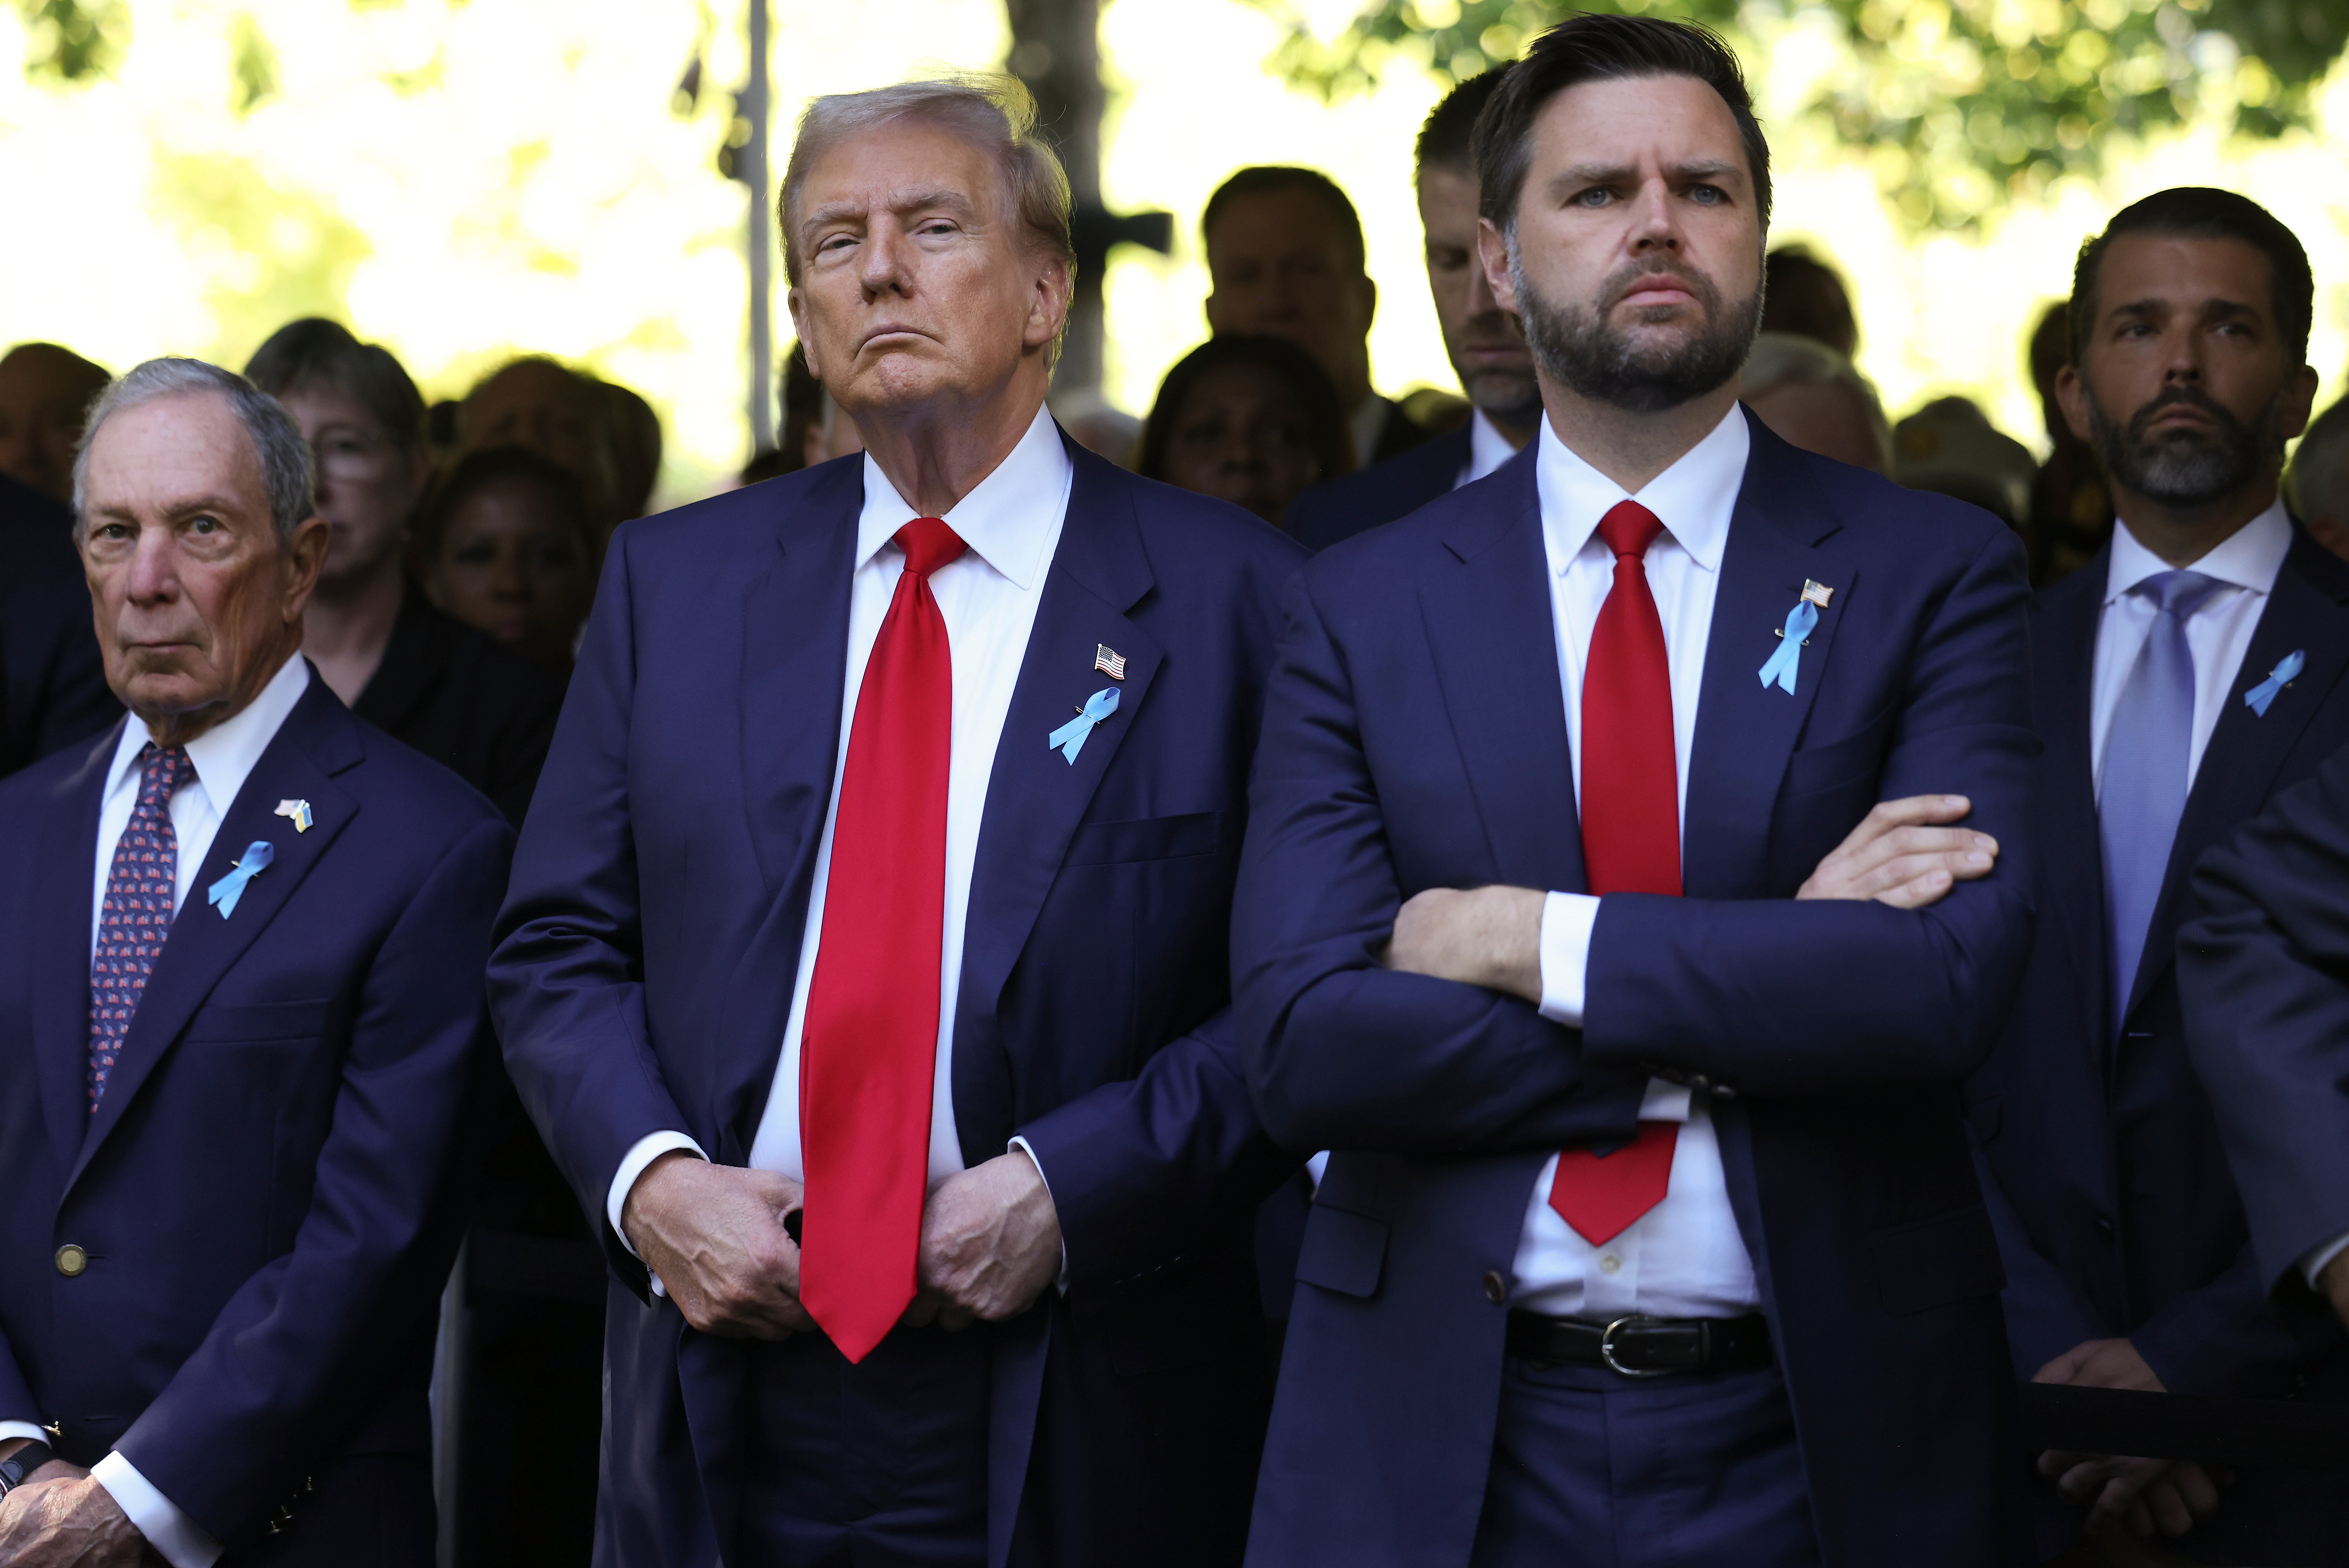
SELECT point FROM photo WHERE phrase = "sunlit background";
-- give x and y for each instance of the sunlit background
(462, 180)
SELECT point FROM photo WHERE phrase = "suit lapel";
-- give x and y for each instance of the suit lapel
(794, 620)
(1746, 730)
(2304, 614)
(1035, 797)
(317, 740)
(1493, 633)
(2063, 661)
(60, 958)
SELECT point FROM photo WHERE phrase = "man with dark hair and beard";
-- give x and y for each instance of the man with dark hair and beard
(2181, 678)
(1636, 864)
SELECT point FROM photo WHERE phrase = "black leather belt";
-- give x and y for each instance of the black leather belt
(1644, 1347)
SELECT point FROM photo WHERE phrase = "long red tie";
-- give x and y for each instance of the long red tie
(868, 1048)
(1630, 840)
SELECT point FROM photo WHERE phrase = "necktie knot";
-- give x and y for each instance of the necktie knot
(928, 545)
(2178, 593)
(1628, 528)
(163, 770)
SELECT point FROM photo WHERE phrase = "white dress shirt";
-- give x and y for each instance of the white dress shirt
(221, 758)
(1487, 450)
(988, 598)
(1683, 1258)
(2218, 635)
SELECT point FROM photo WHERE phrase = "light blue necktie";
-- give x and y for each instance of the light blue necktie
(2147, 750)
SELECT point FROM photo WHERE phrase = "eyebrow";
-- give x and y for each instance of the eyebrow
(911, 202)
(1607, 173)
(2215, 304)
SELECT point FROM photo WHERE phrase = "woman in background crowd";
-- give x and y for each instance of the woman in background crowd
(507, 543)
(1251, 421)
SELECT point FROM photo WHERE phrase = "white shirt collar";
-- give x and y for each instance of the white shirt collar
(1487, 447)
(224, 755)
(2249, 557)
(1693, 499)
(1009, 518)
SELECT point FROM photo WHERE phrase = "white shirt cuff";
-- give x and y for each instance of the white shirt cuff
(1021, 1145)
(647, 1149)
(1665, 1102)
(179, 1538)
(1317, 1168)
(23, 1429)
(1566, 920)
(2311, 1263)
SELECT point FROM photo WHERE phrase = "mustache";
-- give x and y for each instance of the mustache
(2190, 396)
(1628, 278)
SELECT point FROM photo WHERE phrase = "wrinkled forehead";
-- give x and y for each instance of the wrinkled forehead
(1637, 123)
(899, 166)
(173, 453)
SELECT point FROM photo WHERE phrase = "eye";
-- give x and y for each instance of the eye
(834, 242)
(1707, 195)
(1596, 196)
(205, 525)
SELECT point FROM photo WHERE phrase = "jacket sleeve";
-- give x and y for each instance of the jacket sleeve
(2225, 1337)
(2044, 1315)
(296, 1354)
(1340, 1052)
(566, 978)
(1788, 998)
(2263, 975)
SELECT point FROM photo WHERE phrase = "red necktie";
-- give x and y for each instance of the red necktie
(1630, 840)
(868, 1047)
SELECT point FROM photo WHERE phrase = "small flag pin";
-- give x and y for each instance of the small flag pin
(1109, 662)
(1817, 593)
(298, 811)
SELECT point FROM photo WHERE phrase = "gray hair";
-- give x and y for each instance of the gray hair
(1787, 359)
(277, 442)
(2318, 483)
(988, 110)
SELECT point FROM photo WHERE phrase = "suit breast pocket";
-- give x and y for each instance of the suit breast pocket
(1840, 764)
(256, 1024)
(1147, 838)
(1343, 1252)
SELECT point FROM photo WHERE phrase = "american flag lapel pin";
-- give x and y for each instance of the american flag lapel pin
(1816, 593)
(1109, 662)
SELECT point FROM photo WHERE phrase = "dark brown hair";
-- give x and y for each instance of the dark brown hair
(2199, 211)
(1309, 385)
(1266, 177)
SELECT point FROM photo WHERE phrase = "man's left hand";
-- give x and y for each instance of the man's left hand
(1480, 936)
(72, 1522)
(2143, 1495)
(2335, 1283)
(991, 1244)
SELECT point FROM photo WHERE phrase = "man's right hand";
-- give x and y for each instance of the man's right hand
(714, 1234)
(1901, 854)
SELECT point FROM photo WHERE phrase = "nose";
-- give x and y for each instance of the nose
(151, 576)
(507, 579)
(1654, 226)
(881, 262)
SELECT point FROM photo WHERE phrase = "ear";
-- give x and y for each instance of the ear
(306, 555)
(2072, 396)
(1047, 308)
(1493, 255)
(2299, 399)
(795, 299)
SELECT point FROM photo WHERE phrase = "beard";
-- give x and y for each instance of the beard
(1580, 346)
(2187, 467)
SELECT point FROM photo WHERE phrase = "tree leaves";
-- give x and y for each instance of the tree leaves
(74, 40)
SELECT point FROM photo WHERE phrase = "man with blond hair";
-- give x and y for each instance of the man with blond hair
(865, 963)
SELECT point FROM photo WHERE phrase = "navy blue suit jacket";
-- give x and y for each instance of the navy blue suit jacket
(270, 1190)
(1415, 737)
(1352, 503)
(55, 690)
(653, 932)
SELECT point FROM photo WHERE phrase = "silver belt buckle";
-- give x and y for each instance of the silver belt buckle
(1607, 1350)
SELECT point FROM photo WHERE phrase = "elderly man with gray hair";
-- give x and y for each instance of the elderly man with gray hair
(865, 963)
(242, 1041)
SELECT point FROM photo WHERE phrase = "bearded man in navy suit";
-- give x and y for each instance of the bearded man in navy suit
(864, 965)
(1650, 1234)
(242, 1042)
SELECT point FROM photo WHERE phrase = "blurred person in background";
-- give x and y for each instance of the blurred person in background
(1950, 448)
(1251, 421)
(506, 543)
(561, 415)
(1487, 351)
(2071, 509)
(2318, 483)
(1806, 297)
(399, 663)
(833, 434)
(44, 394)
(1812, 396)
(636, 449)
(1285, 259)
(53, 687)
(2184, 676)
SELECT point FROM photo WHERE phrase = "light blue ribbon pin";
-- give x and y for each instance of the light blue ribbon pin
(2287, 669)
(1069, 738)
(225, 892)
(1779, 670)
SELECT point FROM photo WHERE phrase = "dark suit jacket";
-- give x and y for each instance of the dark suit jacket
(1352, 503)
(2264, 977)
(645, 975)
(1415, 737)
(449, 690)
(269, 1191)
(55, 690)
(2117, 1215)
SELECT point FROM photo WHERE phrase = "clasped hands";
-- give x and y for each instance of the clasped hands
(61, 1517)
(1902, 854)
(715, 1236)
(2138, 1496)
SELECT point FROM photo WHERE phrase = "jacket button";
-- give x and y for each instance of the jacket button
(71, 1261)
(1496, 1289)
(2104, 1228)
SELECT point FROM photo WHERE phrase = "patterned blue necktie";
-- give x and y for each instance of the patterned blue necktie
(2147, 752)
(140, 889)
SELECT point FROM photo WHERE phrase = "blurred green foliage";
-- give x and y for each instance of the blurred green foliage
(1960, 105)
(74, 40)
(267, 253)
(252, 66)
